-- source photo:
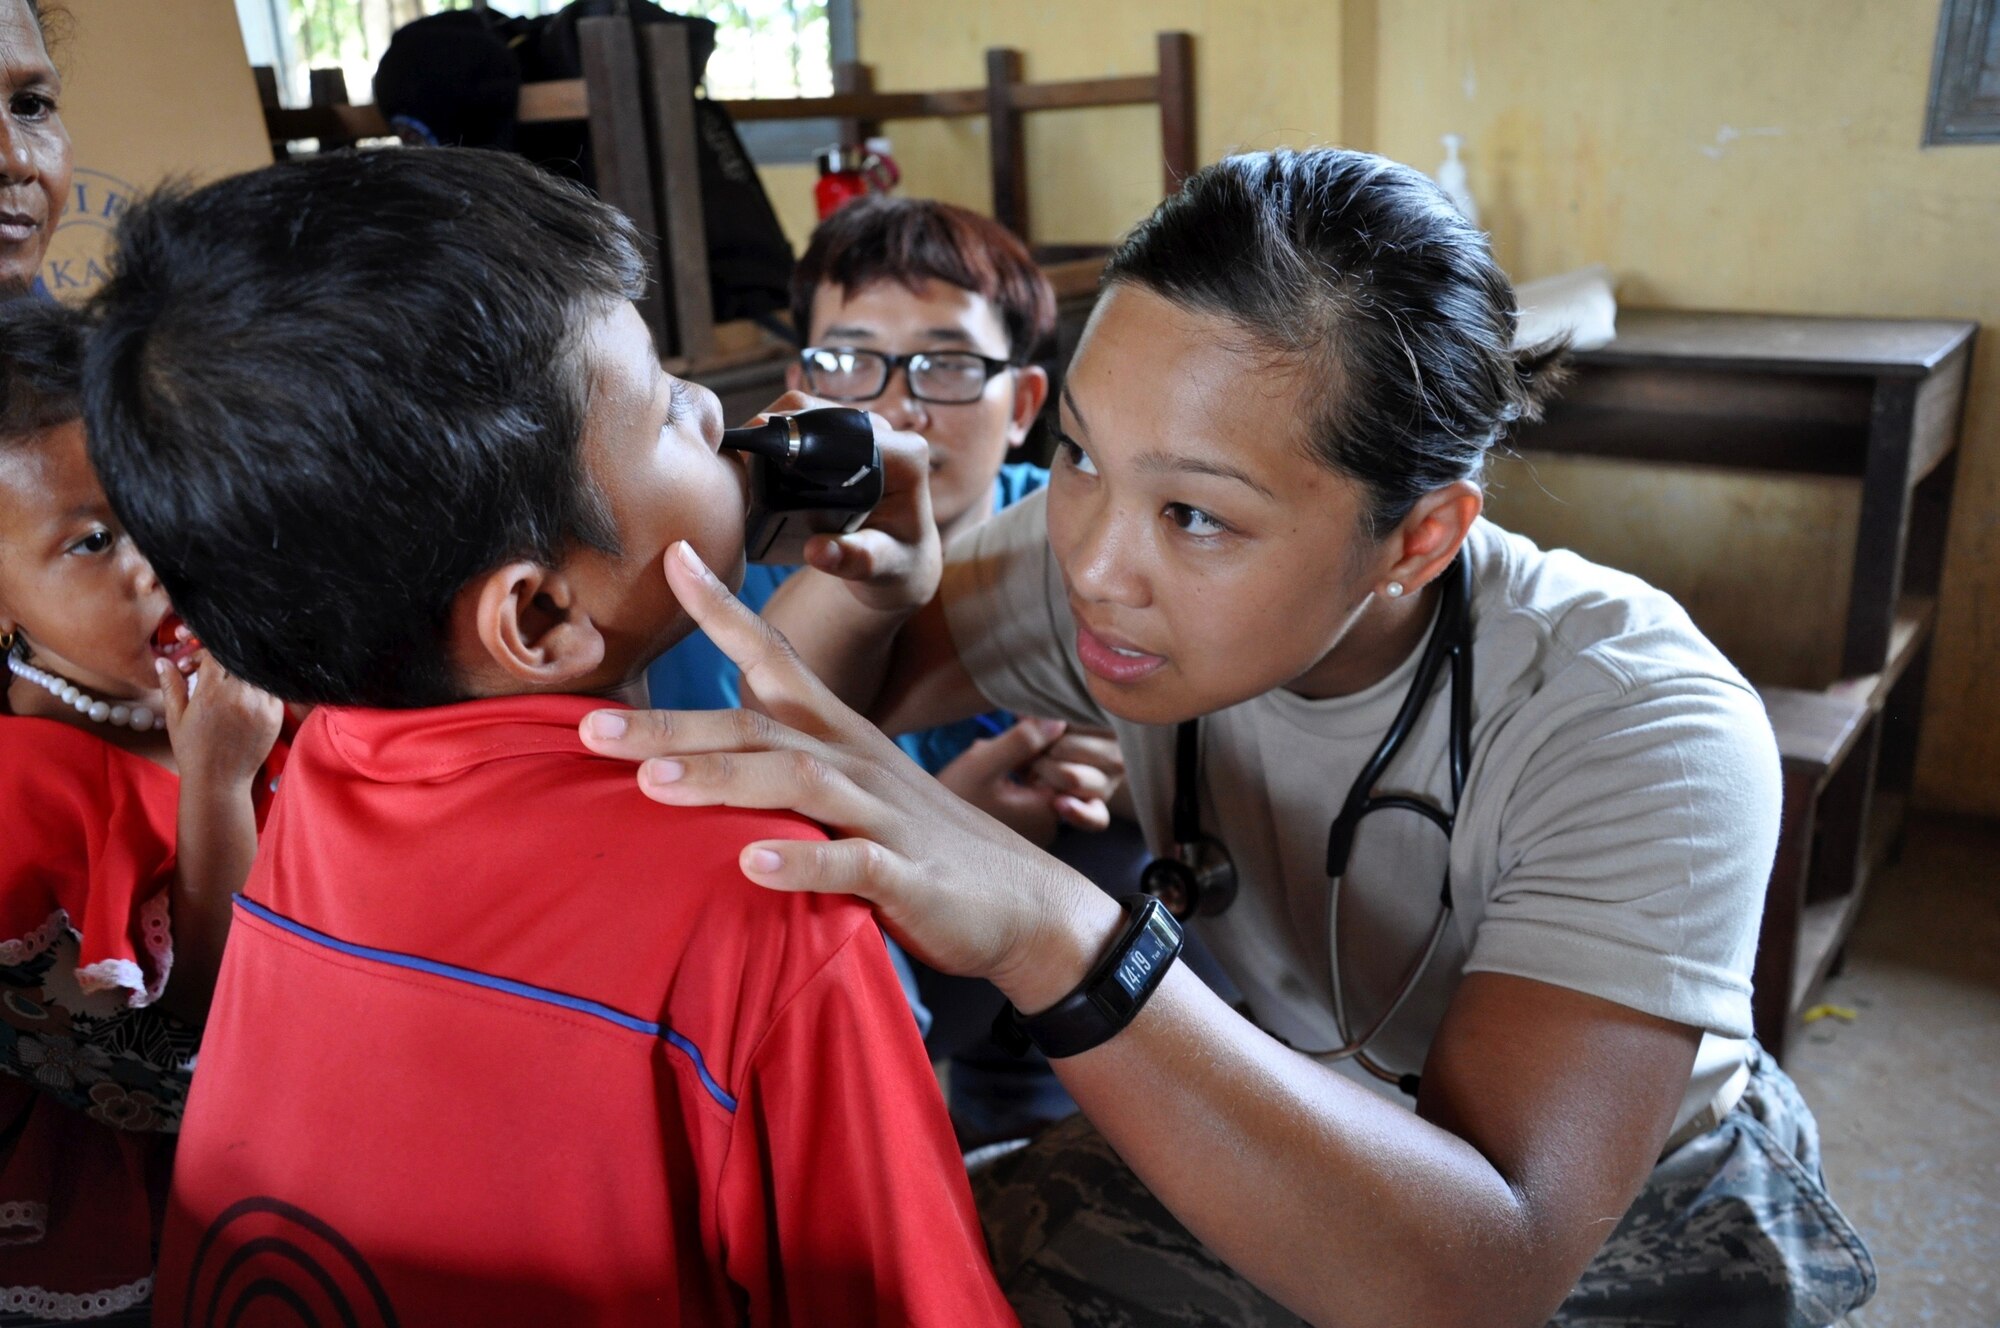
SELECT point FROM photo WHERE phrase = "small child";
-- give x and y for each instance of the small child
(128, 818)
(497, 1039)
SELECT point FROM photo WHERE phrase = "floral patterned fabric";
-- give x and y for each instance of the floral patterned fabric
(124, 1067)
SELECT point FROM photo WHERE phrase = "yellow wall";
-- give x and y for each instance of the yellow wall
(791, 191)
(1266, 73)
(150, 90)
(1731, 156)
(1714, 154)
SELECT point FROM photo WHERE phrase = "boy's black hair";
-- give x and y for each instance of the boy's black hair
(326, 395)
(41, 363)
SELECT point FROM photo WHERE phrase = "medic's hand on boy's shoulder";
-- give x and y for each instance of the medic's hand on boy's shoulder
(960, 891)
(893, 563)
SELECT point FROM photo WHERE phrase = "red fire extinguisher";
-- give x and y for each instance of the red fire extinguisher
(848, 172)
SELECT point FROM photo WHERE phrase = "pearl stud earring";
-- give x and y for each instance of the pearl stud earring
(1394, 590)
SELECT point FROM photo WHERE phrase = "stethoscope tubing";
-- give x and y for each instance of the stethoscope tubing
(1451, 644)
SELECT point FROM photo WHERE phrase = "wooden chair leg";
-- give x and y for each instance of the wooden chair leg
(1005, 142)
(687, 296)
(852, 76)
(1841, 833)
(1177, 145)
(328, 87)
(618, 151)
(1784, 910)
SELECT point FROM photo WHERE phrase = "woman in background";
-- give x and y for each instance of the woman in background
(35, 159)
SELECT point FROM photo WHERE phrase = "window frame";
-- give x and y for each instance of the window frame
(1957, 113)
(793, 142)
(769, 142)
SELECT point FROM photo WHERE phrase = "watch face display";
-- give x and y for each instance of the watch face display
(1152, 947)
(1113, 991)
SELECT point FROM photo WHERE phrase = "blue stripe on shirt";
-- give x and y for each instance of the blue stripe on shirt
(473, 977)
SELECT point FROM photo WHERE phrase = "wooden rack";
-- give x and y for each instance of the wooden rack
(1005, 100)
(638, 98)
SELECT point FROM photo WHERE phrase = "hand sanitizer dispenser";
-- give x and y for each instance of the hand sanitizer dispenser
(1451, 179)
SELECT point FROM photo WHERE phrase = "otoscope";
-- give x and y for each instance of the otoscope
(818, 472)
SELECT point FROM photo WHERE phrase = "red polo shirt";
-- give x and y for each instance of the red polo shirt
(500, 1041)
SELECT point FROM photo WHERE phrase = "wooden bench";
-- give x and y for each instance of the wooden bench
(638, 95)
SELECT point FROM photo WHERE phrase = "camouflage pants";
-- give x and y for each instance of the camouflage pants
(1732, 1230)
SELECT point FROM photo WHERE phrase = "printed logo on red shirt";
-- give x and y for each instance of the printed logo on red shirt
(266, 1249)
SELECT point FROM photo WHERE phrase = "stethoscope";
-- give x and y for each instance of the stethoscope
(1197, 879)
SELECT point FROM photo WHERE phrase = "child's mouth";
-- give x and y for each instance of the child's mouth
(166, 642)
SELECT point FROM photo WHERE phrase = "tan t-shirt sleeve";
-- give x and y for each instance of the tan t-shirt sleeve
(1638, 838)
(1009, 616)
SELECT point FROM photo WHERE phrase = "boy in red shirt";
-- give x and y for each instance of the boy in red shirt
(496, 1040)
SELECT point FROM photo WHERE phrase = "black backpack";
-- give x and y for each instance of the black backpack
(444, 79)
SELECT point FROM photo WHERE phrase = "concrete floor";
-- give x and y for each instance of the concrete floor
(1908, 1093)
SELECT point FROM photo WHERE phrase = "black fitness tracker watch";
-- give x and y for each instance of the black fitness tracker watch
(1110, 997)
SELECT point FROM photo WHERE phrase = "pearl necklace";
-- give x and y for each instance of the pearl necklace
(139, 719)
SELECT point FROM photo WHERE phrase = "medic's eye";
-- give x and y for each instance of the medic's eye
(97, 541)
(1074, 456)
(1193, 520)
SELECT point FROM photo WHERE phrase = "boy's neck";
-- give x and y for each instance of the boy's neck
(631, 692)
(634, 693)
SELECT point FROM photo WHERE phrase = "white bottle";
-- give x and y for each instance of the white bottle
(1451, 179)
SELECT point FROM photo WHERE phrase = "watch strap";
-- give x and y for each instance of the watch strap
(1109, 997)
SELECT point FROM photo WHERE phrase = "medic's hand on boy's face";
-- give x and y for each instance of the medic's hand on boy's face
(1037, 777)
(893, 563)
(956, 887)
(220, 727)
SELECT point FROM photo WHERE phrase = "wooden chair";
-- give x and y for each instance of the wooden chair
(1007, 99)
(267, 86)
(607, 97)
(1877, 402)
(326, 88)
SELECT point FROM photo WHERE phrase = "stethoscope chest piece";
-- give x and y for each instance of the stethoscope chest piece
(1196, 880)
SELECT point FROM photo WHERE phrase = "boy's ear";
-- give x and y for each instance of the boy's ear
(1031, 391)
(531, 630)
(795, 375)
